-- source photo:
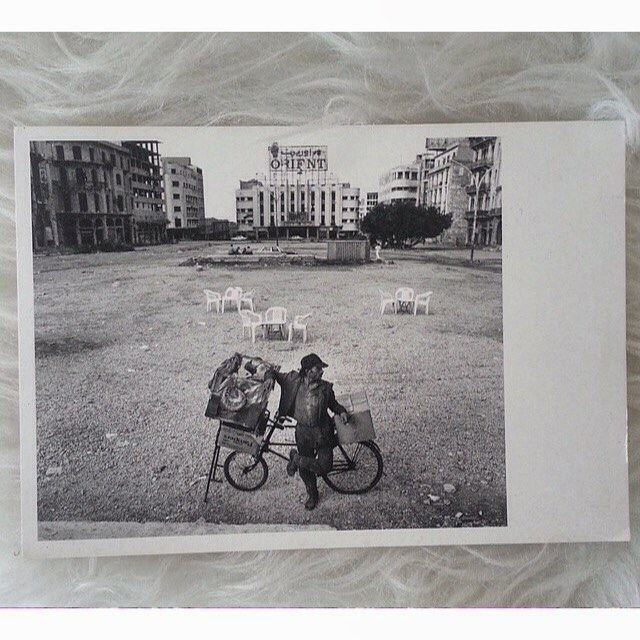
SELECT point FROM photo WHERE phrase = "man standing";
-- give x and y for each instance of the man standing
(307, 398)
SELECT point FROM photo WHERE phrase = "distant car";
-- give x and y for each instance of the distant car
(275, 250)
(296, 238)
(238, 238)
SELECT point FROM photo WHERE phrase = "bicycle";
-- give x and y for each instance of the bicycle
(357, 467)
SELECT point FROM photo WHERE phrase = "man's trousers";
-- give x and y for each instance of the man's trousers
(315, 457)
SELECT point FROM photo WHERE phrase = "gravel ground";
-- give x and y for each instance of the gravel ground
(125, 348)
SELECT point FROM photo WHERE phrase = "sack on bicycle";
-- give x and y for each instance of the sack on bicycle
(240, 389)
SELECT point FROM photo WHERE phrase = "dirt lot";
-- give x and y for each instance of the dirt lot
(125, 348)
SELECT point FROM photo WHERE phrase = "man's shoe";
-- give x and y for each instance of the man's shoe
(292, 467)
(311, 503)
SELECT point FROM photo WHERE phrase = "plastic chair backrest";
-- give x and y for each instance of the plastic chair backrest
(405, 293)
(276, 314)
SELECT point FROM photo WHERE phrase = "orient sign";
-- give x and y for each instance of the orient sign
(297, 160)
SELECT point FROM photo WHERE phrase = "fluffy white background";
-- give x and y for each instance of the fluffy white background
(136, 79)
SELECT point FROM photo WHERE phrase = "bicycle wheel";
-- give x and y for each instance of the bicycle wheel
(244, 472)
(357, 468)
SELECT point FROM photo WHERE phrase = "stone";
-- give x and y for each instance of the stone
(110, 436)
(54, 471)
(449, 488)
(459, 514)
(145, 347)
(433, 498)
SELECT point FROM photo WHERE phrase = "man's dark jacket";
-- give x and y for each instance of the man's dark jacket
(290, 383)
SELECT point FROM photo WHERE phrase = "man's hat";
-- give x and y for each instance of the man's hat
(312, 360)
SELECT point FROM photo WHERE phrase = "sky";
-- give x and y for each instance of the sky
(356, 154)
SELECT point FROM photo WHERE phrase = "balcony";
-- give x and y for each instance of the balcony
(482, 164)
(482, 213)
(484, 186)
(485, 213)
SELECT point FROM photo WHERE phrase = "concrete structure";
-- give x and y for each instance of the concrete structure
(400, 184)
(444, 186)
(81, 194)
(348, 251)
(184, 195)
(297, 198)
(149, 215)
(485, 166)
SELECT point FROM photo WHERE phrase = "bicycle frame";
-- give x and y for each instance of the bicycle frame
(266, 447)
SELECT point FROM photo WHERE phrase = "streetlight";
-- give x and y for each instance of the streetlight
(476, 184)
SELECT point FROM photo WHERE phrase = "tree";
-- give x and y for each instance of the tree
(403, 224)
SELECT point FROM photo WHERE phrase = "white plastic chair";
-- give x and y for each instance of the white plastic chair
(386, 299)
(422, 298)
(250, 321)
(213, 297)
(405, 298)
(275, 317)
(232, 295)
(246, 299)
(299, 324)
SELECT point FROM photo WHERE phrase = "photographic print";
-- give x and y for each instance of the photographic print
(267, 331)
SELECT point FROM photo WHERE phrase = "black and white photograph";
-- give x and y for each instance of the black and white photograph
(276, 337)
(308, 336)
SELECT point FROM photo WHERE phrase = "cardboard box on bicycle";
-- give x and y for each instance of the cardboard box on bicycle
(237, 439)
(360, 425)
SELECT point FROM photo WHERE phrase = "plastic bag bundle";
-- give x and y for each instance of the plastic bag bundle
(240, 390)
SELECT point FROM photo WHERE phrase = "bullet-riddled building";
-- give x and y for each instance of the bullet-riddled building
(80, 194)
(297, 197)
(184, 194)
(486, 165)
(444, 186)
(93, 193)
(149, 215)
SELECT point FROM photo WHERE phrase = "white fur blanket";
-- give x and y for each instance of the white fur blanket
(135, 79)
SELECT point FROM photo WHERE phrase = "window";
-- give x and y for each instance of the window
(175, 183)
(82, 201)
(77, 153)
(94, 176)
(173, 170)
(96, 201)
(120, 203)
(60, 152)
(176, 196)
(91, 154)
(81, 178)
(118, 179)
(178, 222)
(177, 208)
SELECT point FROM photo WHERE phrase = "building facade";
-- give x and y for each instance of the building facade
(217, 229)
(149, 214)
(400, 184)
(297, 198)
(485, 192)
(444, 186)
(432, 148)
(184, 195)
(80, 194)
